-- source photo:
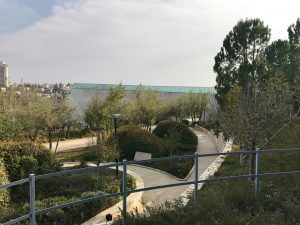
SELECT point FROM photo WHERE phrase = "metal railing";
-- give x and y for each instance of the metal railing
(33, 178)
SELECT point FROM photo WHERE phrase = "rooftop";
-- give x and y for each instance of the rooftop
(169, 89)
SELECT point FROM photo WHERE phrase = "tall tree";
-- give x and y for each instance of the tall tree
(277, 56)
(253, 121)
(294, 69)
(238, 62)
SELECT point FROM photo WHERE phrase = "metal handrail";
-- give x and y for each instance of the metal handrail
(32, 178)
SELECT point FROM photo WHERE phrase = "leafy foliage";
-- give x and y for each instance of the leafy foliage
(9, 128)
(27, 115)
(190, 105)
(145, 107)
(4, 194)
(22, 158)
(238, 62)
(99, 112)
(253, 120)
(177, 134)
(131, 139)
(105, 151)
(277, 56)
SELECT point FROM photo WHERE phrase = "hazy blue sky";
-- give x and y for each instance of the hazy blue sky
(155, 42)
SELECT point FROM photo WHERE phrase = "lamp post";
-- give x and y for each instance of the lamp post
(116, 117)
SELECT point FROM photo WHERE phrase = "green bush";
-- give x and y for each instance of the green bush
(4, 194)
(132, 139)
(74, 215)
(22, 158)
(289, 137)
(177, 133)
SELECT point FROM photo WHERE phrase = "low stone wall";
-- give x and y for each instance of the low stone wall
(209, 172)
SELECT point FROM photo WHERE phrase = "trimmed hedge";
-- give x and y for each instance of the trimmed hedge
(179, 134)
(132, 139)
(23, 158)
(4, 194)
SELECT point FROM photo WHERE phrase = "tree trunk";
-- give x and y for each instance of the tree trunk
(252, 160)
(50, 139)
(98, 135)
(56, 146)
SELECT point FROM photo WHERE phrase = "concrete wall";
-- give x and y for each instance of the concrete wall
(81, 97)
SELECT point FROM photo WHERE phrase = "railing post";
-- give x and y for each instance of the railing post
(196, 177)
(32, 198)
(124, 191)
(257, 185)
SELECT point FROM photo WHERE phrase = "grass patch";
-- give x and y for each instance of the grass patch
(76, 154)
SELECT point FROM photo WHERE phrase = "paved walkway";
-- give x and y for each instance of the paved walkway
(152, 177)
(72, 144)
(155, 177)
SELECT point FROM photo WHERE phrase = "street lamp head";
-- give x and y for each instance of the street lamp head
(116, 116)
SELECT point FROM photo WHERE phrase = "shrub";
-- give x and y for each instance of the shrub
(22, 158)
(4, 194)
(131, 139)
(178, 133)
(71, 215)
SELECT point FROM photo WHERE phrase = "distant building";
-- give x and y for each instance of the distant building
(3, 74)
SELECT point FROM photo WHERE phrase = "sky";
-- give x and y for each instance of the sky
(150, 42)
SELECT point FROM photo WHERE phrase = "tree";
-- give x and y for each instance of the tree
(239, 61)
(32, 114)
(146, 107)
(277, 56)
(59, 116)
(253, 121)
(10, 130)
(106, 150)
(294, 70)
(98, 114)
(294, 33)
(191, 105)
(196, 104)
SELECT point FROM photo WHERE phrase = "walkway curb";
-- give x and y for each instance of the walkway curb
(209, 172)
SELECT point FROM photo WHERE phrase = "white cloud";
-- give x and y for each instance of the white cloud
(167, 42)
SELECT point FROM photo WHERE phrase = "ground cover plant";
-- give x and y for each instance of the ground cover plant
(80, 154)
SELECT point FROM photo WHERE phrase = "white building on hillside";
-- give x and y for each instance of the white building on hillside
(3, 74)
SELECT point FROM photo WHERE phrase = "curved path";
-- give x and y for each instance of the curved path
(72, 144)
(152, 177)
